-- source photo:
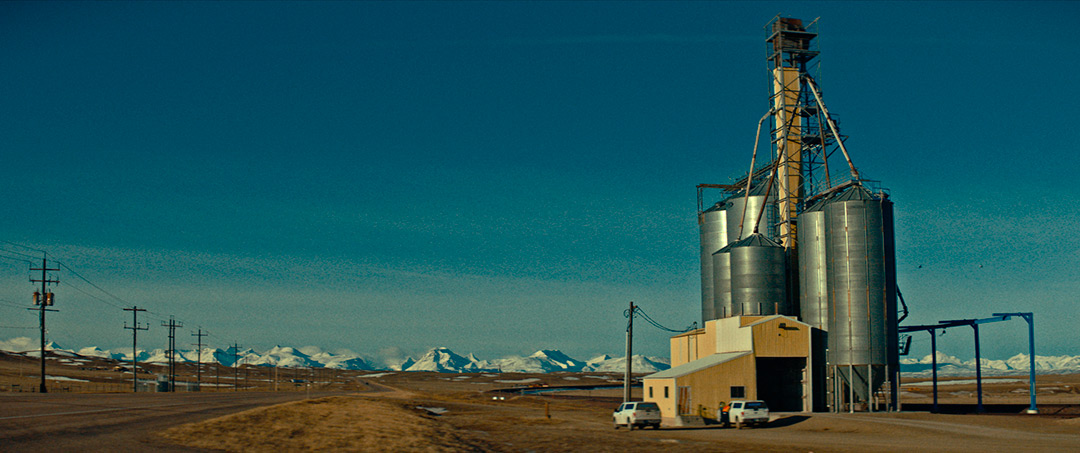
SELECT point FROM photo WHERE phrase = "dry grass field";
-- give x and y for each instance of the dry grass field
(397, 415)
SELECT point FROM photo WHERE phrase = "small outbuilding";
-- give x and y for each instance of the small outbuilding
(770, 358)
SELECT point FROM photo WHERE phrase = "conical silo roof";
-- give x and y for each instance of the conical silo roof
(755, 240)
(758, 189)
(817, 205)
(725, 249)
(854, 193)
(719, 206)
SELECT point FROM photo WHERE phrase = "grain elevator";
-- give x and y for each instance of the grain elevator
(798, 278)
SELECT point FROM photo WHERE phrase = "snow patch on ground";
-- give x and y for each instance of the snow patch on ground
(376, 375)
(963, 382)
(517, 381)
(62, 378)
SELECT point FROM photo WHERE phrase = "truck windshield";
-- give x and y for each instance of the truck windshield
(648, 406)
(755, 405)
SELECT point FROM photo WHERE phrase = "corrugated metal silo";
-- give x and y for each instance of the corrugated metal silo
(721, 265)
(713, 237)
(753, 208)
(758, 277)
(813, 278)
(855, 247)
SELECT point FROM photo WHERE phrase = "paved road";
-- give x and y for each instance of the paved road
(116, 422)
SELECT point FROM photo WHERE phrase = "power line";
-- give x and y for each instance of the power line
(65, 266)
(14, 259)
(639, 311)
(23, 246)
(135, 328)
(236, 369)
(76, 288)
(43, 300)
(172, 325)
(198, 366)
(10, 304)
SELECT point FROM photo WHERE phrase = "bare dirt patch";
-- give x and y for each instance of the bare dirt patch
(333, 423)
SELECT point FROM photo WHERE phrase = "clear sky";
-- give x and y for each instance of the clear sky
(499, 177)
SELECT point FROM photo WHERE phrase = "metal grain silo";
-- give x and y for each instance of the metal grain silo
(758, 277)
(813, 278)
(713, 237)
(856, 268)
(721, 266)
(753, 208)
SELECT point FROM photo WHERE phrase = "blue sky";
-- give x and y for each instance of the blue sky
(502, 177)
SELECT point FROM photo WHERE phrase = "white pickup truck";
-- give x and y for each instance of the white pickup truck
(746, 413)
(637, 414)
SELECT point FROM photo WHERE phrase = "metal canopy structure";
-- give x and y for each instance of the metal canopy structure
(974, 324)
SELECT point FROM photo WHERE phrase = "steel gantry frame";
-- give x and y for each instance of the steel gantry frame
(974, 324)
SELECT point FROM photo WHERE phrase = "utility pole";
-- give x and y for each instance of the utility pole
(629, 350)
(198, 368)
(135, 328)
(236, 366)
(172, 324)
(43, 299)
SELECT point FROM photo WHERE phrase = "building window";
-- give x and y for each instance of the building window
(665, 392)
(650, 392)
(738, 392)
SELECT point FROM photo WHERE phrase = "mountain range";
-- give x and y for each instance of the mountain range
(1017, 364)
(437, 359)
(543, 361)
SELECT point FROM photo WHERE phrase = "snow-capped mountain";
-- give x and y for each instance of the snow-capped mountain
(444, 360)
(543, 361)
(1018, 364)
(282, 357)
(638, 364)
(408, 362)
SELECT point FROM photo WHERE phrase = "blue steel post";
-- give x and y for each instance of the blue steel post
(978, 369)
(933, 366)
(1030, 318)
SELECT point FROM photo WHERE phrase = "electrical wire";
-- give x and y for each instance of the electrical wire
(69, 269)
(639, 312)
(23, 246)
(76, 288)
(9, 303)
(13, 258)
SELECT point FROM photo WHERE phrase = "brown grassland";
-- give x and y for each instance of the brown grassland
(450, 412)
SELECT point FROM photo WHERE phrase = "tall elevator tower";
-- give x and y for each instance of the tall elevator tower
(789, 52)
(804, 241)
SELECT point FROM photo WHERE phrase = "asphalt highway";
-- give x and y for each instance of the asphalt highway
(118, 421)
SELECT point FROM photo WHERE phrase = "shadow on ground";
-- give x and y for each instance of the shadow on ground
(787, 421)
